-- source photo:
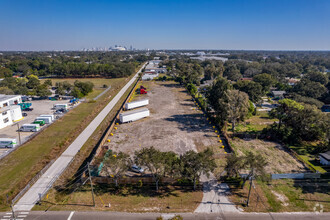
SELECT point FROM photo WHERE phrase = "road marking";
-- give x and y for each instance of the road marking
(7, 216)
(24, 213)
(70, 216)
(21, 216)
(9, 213)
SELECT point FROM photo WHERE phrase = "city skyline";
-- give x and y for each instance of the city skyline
(200, 25)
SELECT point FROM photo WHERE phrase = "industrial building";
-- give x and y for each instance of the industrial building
(152, 70)
(10, 111)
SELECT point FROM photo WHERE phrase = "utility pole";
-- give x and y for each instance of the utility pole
(90, 179)
(247, 202)
(12, 210)
(19, 134)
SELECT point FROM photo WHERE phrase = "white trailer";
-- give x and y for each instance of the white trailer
(134, 115)
(30, 127)
(61, 106)
(50, 116)
(7, 143)
(136, 104)
(47, 120)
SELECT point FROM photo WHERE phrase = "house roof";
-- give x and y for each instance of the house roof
(326, 155)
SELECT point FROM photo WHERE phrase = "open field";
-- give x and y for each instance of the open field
(174, 124)
(98, 83)
(21, 165)
(279, 161)
(285, 196)
(130, 198)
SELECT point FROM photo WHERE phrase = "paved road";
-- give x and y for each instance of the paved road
(60, 215)
(215, 198)
(101, 94)
(45, 182)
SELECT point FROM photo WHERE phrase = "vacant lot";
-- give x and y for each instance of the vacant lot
(98, 83)
(279, 161)
(174, 124)
(285, 196)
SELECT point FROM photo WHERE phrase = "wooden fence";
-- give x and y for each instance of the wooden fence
(133, 180)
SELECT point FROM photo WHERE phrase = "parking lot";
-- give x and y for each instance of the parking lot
(175, 124)
(40, 107)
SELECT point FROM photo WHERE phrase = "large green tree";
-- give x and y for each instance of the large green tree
(194, 164)
(253, 89)
(116, 165)
(237, 105)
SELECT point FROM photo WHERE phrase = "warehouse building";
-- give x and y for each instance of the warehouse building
(10, 111)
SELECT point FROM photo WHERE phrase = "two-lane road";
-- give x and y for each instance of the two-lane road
(45, 182)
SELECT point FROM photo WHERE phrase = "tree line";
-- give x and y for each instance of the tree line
(190, 165)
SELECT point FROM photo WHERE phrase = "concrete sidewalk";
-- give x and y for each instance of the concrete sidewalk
(45, 182)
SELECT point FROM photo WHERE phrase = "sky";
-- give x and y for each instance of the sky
(172, 24)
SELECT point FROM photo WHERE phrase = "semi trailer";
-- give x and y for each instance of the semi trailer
(136, 104)
(134, 115)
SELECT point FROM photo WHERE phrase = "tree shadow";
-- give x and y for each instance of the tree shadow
(190, 122)
(313, 185)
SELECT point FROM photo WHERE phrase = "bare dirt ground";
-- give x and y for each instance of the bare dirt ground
(174, 124)
(279, 161)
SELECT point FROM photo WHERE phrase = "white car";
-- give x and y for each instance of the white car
(137, 169)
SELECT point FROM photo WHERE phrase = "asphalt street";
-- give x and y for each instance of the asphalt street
(45, 182)
(74, 215)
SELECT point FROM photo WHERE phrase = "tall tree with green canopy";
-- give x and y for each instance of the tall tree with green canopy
(116, 165)
(255, 163)
(237, 106)
(194, 164)
(265, 80)
(285, 111)
(155, 161)
(216, 98)
(253, 89)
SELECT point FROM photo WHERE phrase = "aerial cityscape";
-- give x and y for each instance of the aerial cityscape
(164, 110)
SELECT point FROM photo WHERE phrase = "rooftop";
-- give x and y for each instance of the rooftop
(4, 97)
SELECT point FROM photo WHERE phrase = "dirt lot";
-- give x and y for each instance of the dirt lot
(279, 161)
(174, 124)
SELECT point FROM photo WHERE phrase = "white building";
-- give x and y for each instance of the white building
(10, 111)
(7, 100)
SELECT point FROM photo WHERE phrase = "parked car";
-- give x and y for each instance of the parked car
(137, 169)
(28, 109)
(24, 114)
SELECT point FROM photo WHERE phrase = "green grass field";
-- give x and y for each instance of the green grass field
(284, 196)
(98, 83)
(24, 163)
(130, 198)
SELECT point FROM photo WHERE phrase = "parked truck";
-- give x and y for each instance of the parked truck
(61, 106)
(50, 116)
(30, 127)
(39, 122)
(134, 115)
(136, 104)
(47, 120)
(7, 143)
